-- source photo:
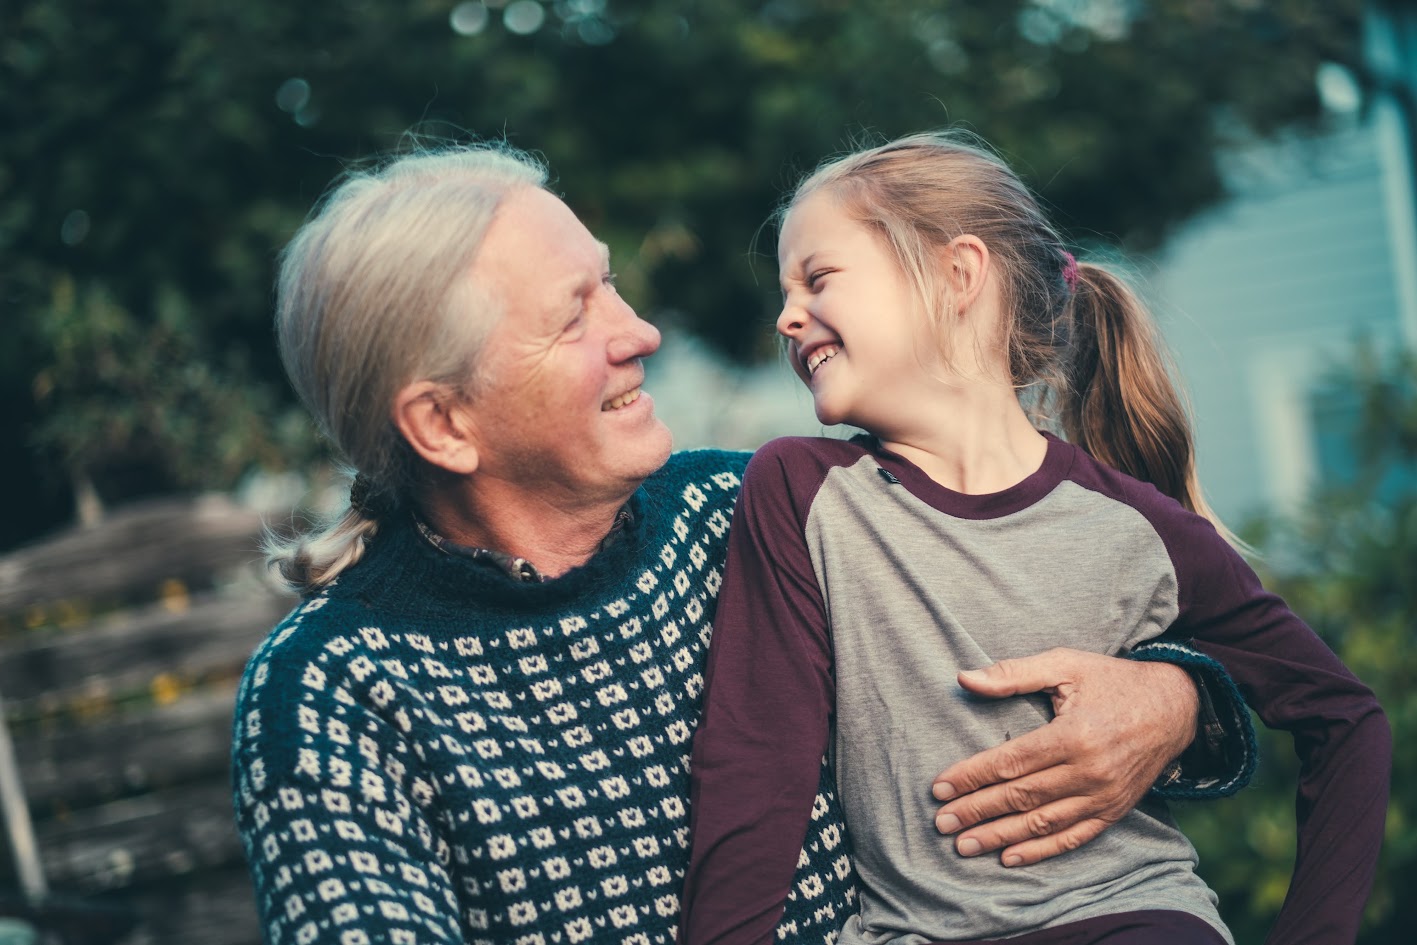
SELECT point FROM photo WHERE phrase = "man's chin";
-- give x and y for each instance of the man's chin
(639, 456)
(659, 444)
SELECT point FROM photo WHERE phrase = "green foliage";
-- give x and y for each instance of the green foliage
(166, 150)
(1346, 564)
(121, 398)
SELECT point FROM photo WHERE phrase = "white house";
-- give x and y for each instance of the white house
(1260, 298)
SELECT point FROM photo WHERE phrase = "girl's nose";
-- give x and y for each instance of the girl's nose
(792, 320)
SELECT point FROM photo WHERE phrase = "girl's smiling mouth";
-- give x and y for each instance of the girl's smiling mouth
(819, 356)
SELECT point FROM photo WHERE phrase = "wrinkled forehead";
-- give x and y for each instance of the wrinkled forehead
(537, 245)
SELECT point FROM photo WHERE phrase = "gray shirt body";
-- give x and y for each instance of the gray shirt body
(915, 595)
(854, 590)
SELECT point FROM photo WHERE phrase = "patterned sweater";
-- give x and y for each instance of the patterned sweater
(432, 752)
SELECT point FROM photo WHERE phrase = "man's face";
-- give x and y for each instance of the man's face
(559, 412)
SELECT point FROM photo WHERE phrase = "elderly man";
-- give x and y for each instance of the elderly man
(476, 727)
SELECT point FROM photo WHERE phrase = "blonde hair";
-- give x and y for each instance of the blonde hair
(372, 295)
(1078, 339)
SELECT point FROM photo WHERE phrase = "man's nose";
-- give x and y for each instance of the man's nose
(634, 338)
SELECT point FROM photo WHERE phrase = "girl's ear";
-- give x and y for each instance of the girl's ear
(966, 263)
(436, 424)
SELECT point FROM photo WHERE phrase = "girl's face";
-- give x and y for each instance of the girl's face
(853, 321)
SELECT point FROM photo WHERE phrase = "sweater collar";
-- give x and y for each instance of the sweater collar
(517, 568)
(403, 570)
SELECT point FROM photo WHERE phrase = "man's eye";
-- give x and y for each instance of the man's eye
(609, 280)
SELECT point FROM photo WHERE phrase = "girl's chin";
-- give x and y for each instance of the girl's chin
(829, 417)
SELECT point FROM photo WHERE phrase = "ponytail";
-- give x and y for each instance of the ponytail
(307, 563)
(1120, 403)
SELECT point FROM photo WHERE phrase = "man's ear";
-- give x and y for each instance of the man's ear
(436, 424)
(966, 262)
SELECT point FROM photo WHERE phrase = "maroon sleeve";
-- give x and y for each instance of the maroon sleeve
(1295, 683)
(768, 698)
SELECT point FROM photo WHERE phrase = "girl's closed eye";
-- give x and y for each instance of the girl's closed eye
(815, 277)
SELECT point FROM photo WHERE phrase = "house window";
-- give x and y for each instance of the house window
(1336, 419)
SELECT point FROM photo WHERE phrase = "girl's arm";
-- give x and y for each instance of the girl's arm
(768, 700)
(1294, 682)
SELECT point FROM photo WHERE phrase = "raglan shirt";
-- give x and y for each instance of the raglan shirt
(856, 588)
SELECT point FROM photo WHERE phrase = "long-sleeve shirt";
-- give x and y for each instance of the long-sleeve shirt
(857, 587)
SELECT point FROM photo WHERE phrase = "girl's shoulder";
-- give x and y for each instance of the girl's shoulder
(1192, 541)
(789, 472)
(1097, 476)
(811, 452)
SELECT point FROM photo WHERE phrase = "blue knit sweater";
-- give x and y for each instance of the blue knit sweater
(432, 752)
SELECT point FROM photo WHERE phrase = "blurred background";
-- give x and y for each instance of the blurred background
(1251, 162)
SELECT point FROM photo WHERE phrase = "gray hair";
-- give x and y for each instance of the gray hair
(372, 295)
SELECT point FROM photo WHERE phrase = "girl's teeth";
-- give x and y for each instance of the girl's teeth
(820, 357)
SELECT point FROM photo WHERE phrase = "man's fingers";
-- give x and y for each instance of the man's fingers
(1043, 671)
(1035, 851)
(1020, 797)
(1044, 821)
(1059, 786)
(1038, 750)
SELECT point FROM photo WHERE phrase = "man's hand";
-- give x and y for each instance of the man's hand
(1118, 724)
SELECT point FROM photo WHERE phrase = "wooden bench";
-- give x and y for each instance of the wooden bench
(121, 645)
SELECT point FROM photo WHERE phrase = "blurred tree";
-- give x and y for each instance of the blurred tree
(138, 408)
(165, 150)
(1346, 565)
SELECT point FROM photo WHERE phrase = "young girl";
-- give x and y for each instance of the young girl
(923, 293)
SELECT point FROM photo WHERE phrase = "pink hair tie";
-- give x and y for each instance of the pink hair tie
(1070, 271)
